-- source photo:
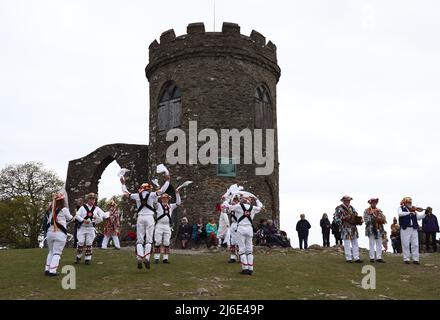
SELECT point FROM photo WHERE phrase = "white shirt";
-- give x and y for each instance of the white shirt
(98, 215)
(171, 206)
(62, 218)
(402, 213)
(239, 212)
(152, 199)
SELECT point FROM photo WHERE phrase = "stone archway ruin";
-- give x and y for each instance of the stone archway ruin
(83, 174)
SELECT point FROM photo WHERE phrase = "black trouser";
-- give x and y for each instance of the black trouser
(303, 238)
(338, 239)
(431, 236)
(326, 239)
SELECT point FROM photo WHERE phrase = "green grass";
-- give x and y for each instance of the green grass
(279, 274)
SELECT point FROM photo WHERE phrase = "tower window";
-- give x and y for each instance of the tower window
(169, 111)
(263, 108)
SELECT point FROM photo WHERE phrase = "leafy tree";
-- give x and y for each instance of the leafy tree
(25, 193)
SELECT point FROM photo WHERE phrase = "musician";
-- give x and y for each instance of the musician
(56, 233)
(374, 230)
(409, 227)
(162, 228)
(347, 217)
(145, 199)
(111, 229)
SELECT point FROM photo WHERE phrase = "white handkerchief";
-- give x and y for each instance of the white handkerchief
(155, 182)
(185, 184)
(122, 172)
(161, 168)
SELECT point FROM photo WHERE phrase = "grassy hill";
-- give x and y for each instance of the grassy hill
(280, 274)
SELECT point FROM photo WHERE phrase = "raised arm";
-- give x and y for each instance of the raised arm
(165, 185)
(124, 189)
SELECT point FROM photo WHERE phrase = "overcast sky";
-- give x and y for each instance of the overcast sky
(358, 98)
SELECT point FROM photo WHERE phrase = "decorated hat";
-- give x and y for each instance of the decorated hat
(145, 186)
(165, 195)
(346, 198)
(373, 200)
(111, 203)
(91, 195)
(58, 196)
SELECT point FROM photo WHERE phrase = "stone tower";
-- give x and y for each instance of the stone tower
(222, 80)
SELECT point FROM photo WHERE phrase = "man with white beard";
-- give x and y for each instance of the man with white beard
(409, 230)
(162, 229)
(245, 212)
(145, 200)
(87, 216)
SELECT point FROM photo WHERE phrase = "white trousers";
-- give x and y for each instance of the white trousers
(410, 237)
(107, 239)
(144, 231)
(162, 236)
(56, 240)
(85, 236)
(231, 240)
(375, 247)
(351, 249)
(244, 237)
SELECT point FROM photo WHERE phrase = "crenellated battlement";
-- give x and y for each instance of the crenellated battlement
(199, 43)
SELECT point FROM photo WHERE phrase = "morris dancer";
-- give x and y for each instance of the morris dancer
(87, 216)
(56, 233)
(409, 228)
(111, 229)
(162, 228)
(223, 225)
(374, 230)
(245, 212)
(346, 216)
(145, 199)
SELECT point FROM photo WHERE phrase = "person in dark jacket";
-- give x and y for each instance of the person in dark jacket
(185, 231)
(325, 228)
(430, 228)
(198, 234)
(336, 231)
(273, 235)
(302, 227)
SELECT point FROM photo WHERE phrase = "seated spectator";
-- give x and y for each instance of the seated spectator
(198, 234)
(274, 237)
(185, 231)
(211, 233)
(260, 235)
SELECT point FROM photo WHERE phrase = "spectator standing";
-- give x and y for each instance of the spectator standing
(430, 228)
(302, 227)
(325, 228)
(395, 237)
(336, 231)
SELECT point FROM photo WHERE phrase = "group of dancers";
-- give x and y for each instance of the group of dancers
(154, 215)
